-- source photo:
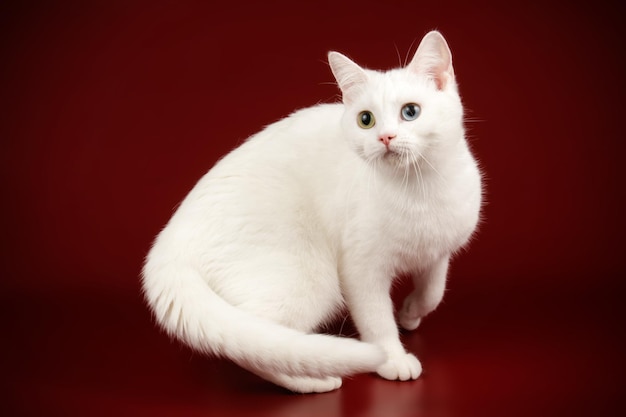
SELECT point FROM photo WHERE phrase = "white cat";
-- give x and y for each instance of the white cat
(320, 211)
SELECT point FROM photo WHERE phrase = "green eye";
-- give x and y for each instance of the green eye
(410, 111)
(366, 120)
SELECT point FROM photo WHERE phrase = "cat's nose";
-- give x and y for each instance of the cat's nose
(386, 139)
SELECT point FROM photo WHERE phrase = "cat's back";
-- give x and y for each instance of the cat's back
(304, 130)
(262, 192)
(286, 153)
(277, 167)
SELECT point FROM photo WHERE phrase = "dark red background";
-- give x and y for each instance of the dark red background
(111, 111)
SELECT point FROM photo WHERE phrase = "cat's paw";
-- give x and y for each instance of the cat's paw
(403, 367)
(409, 317)
(306, 384)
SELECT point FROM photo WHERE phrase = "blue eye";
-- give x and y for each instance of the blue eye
(410, 111)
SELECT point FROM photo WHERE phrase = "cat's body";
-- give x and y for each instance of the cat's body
(318, 212)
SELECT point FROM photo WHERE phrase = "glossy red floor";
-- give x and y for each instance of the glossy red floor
(95, 353)
(110, 111)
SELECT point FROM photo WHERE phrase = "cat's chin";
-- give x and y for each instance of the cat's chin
(396, 159)
(393, 155)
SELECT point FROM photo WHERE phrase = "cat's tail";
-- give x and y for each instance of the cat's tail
(187, 308)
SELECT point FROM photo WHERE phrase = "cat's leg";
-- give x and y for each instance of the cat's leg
(430, 284)
(368, 297)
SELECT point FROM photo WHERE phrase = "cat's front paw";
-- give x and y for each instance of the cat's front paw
(401, 367)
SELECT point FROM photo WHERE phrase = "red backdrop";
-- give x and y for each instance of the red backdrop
(110, 113)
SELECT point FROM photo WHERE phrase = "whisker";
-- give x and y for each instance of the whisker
(406, 58)
(343, 323)
(432, 167)
(398, 53)
(407, 174)
(472, 120)
(410, 158)
(418, 173)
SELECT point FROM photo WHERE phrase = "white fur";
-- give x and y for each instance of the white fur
(315, 213)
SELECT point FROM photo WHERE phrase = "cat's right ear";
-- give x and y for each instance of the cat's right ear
(350, 77)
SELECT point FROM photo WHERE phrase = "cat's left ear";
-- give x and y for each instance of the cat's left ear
(434, 60)
(350, 77)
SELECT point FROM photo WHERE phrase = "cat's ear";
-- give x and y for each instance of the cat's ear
(350, 77)
(434, 60)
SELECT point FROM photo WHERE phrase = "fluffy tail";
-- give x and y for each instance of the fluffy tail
(187, 308)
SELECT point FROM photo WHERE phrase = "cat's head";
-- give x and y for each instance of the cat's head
(405, 116)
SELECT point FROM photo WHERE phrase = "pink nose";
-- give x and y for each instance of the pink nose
(386, 139)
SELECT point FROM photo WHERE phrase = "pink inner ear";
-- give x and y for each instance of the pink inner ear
(434, 60)
(442, 79)
(436, 67)
(436, 70)
(440, 83)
